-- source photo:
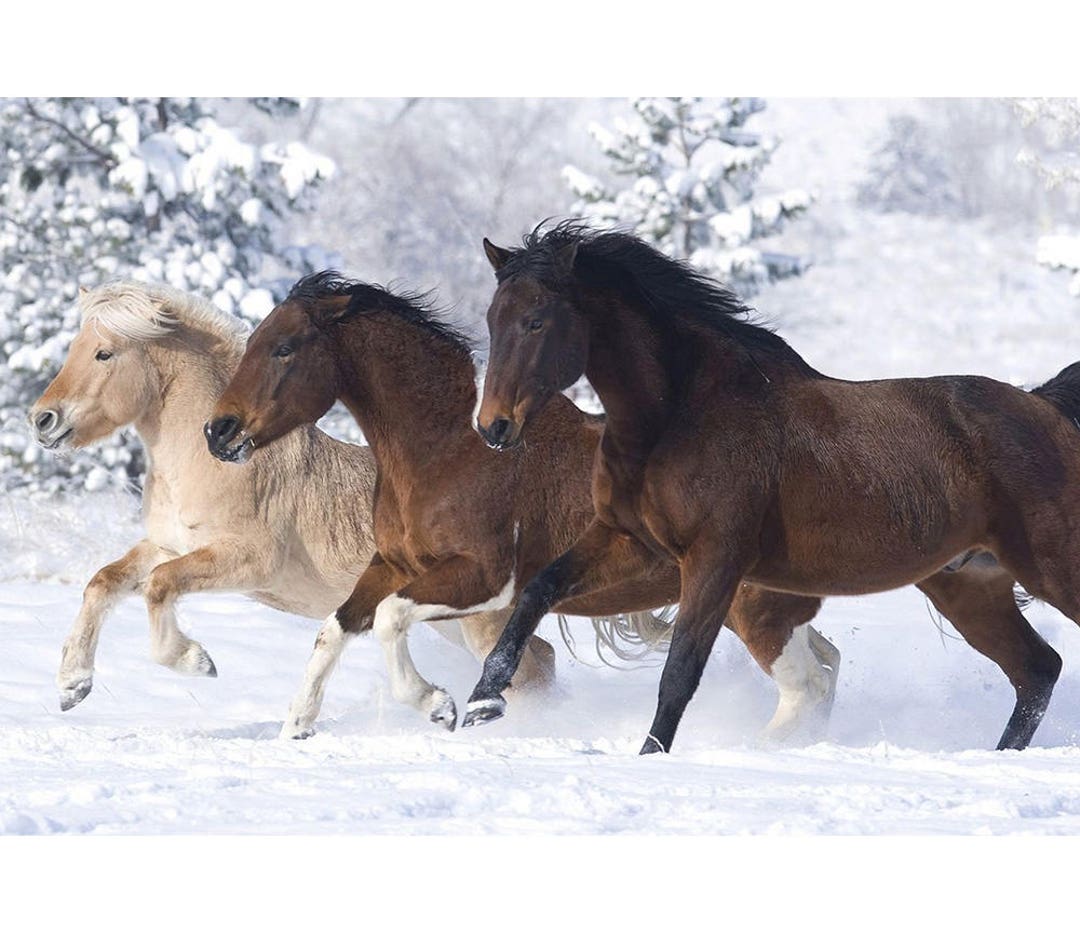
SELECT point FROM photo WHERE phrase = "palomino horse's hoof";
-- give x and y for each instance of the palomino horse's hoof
(444, 713)
(75, 694)
(481, 711)
(295, 731)
(196, 662)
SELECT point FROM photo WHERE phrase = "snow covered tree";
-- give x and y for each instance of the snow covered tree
(1059, 167)
(690, 168)
(153, 189)
(908, 172)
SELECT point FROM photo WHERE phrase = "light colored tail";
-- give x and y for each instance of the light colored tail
(629, 637)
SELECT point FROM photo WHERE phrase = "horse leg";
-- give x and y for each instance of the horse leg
(455, 587)
(804, 664)
(979, 602)
(708, 588)
(225, 566)
(601, 557)
(75, 677)
(481, 633)
(351, 617)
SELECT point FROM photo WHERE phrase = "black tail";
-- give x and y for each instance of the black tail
(1064, 391)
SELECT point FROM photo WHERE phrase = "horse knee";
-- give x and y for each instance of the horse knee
(160, 587)
(392, 618)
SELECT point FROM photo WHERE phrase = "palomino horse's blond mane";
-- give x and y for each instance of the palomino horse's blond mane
(144, 311)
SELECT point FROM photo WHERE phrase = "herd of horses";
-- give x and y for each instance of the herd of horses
(727, 476)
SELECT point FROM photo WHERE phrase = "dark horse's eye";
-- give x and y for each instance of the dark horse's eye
(283, 351)
(535, 324)
(103, 355)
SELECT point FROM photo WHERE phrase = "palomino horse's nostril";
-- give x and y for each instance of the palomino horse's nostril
(46, 420)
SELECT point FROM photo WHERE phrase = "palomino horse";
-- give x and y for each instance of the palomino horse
(158, 358)
(726, 452)
(457, 525)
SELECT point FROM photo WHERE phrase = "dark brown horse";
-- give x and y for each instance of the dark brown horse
(457, 525)
(726, 452)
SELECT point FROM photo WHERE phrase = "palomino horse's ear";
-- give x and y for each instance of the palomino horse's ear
(565, 259)
(497, 256)
(83, 290)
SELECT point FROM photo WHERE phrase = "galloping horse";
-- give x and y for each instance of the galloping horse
(158, 358)
(457, 526)
(726, 452)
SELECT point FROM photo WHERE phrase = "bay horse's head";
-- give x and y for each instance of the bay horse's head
(108, 379)
(539, 338)
(287, 377)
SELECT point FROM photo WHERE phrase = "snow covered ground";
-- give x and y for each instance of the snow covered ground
(150, 751)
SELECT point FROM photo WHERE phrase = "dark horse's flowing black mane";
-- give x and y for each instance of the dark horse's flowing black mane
(670, 291)
(415, 307)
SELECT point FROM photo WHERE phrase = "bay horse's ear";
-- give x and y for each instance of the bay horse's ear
(565, 259)
(497, 256)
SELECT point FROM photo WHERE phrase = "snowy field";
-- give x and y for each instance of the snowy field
(149, 751)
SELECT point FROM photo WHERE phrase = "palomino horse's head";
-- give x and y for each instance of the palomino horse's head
(286, 378)
(539, 341)
(108, 379)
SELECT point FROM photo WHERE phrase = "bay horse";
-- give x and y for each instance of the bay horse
(157, 358)
(726, 452)
(458, 527)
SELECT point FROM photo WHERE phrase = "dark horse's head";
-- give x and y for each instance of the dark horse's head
(287, 376)
(539, 338)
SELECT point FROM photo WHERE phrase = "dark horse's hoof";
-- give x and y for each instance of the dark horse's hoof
(481, 711)
(651, 747)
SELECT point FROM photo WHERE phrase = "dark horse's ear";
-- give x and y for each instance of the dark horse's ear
(565, 259)
(497, 256)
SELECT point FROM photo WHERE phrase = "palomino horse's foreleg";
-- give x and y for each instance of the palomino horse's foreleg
(351, 617)
(457, 586)
(225, 566)
(804, 665)
(601, 557)
(979, 602)
(120, 578)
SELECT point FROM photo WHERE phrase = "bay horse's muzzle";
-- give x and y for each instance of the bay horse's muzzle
(221, 432)
(501, 434)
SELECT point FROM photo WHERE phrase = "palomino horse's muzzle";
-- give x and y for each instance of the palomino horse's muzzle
(50, 430)
(221, 433)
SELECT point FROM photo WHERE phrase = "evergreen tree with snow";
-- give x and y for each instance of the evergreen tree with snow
(688, 168)
(154, 189)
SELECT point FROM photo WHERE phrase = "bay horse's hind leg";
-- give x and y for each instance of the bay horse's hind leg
(978, 600)
(803, 663)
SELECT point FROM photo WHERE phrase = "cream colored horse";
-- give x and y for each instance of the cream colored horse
(292, 528)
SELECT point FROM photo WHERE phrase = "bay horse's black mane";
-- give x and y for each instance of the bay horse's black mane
(670, 291)
(415, 307)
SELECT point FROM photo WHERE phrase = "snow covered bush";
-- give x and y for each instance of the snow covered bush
(908, 172)
(153, 189)
(690, 168)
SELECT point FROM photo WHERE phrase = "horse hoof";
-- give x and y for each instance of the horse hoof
(196, 662)
(75, 694)
(481, 711)
(444, 712)
(652, 747)
(295, 731)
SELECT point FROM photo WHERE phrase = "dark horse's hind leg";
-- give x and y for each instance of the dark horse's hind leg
(979, 602)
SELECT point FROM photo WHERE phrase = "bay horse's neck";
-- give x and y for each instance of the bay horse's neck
(411, 391)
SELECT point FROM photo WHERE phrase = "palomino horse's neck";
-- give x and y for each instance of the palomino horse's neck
(192, 370)
(412, 392)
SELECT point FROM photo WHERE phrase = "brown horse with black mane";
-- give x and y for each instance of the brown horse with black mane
(458, 527)
(726, 452)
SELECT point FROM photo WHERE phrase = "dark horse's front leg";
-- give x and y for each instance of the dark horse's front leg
(601, 557)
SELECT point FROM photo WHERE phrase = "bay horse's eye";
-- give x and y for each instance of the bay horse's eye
(103, 355)
(535, 324)
(283, 351)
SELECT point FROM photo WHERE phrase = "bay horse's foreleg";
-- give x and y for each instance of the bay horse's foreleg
(453, 588)
(804, 664)
(481, 633)
(601, 557)
(122, 577)
(351, 617)
(979, 602)
(227, 565)
(708, 587)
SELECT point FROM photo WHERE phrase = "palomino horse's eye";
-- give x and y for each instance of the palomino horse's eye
(283, 351)
(103, 355)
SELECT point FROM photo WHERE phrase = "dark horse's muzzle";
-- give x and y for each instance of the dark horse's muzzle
(500, 434)
(220, 436)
